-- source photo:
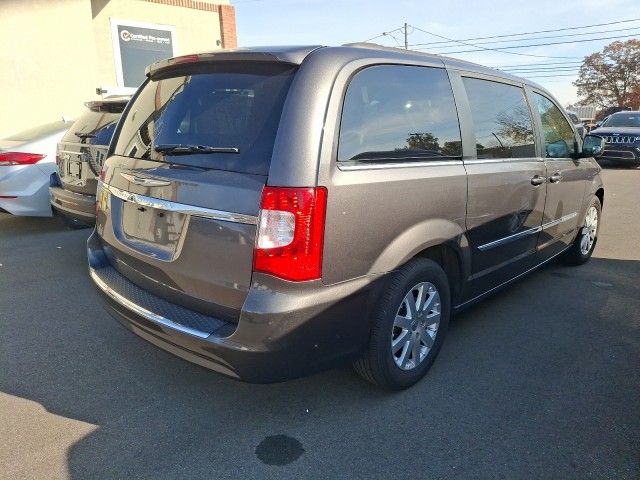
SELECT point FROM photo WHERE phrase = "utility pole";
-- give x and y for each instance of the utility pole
(406, 43)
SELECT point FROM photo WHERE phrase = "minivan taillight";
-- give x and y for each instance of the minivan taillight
(291, 232)
(19, 158)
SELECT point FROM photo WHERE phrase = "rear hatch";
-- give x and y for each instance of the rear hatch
(182, 185)
(83, 149)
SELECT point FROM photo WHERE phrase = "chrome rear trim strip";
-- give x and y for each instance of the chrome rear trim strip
(526, 233)
(170, 206)
(143, 312)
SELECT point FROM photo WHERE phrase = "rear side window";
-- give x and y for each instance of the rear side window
(501, 119)
(227, 106)
(559, 140)
(399, 113)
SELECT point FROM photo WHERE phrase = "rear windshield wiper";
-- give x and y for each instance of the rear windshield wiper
(182, 149)
(84, 135)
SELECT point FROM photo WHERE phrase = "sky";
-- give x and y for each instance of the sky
(335, 22)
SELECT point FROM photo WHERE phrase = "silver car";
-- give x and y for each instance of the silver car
(27, 160)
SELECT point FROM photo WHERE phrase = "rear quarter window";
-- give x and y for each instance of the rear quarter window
(399, 113)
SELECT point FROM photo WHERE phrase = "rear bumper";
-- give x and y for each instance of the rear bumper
(280, 335)
(75, 206)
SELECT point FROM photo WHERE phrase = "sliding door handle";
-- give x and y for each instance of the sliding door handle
(537, 180)
(555, 178)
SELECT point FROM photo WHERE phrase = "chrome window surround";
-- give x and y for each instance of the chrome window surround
(356, 165)
(526, 233)
(143, 312)
(170, 206)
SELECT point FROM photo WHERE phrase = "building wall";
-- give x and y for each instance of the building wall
(54, 53)
(41, 78)
(198, 29)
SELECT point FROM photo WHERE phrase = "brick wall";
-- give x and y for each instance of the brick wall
(227, 17)
(228, 26)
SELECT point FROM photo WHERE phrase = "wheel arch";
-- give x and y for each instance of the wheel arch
(443, 241)
(600, 194)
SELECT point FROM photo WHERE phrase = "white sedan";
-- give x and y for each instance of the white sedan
(27, 160)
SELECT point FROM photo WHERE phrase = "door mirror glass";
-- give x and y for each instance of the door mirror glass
(592, 146)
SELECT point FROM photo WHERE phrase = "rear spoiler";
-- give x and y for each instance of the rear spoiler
(287, 55)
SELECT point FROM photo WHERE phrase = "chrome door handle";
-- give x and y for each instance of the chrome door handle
(537, 180)
(555, 178)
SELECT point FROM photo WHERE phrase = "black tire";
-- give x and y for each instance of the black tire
(377, 365)
(574, 255)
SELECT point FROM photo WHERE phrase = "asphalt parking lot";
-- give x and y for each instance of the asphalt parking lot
(539, 381)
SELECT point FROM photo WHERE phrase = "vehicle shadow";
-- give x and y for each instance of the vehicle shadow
(159, 416)
(12, 226)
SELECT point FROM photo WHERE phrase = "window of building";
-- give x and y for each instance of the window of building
(399, 113)
(501, 119)
(559, 139)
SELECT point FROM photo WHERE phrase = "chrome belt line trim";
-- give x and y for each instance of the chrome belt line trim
(143, 312)
(526, 233)
(559, 220)
(477, 161)
(170, 206)
(510, 238)
(385, 165)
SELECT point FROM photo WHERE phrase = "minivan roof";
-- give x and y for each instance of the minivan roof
(295, 55)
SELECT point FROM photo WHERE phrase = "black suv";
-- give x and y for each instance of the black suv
(621, 132)
(79, 158)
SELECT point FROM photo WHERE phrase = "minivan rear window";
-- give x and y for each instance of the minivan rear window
(93, 127)
(230, 109)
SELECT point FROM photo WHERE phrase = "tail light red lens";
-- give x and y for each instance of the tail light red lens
(19, 158)
(291, 232)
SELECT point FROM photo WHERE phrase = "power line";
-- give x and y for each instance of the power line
(534, 44)
(385, 34)
(539, 31)
(548, 70)
(535, 38)
(551, 76)
(541, 63)
(462, 42)
(550, 67)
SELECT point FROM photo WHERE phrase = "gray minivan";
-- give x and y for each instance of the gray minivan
(80, 153)
(268, 213)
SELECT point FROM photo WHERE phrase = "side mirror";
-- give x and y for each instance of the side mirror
(592, 146)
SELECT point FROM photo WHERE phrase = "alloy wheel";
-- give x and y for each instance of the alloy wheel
(589, 230)
(416, 325)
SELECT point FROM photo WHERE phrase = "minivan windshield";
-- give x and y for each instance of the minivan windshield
(630, 119)
(222, 116)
